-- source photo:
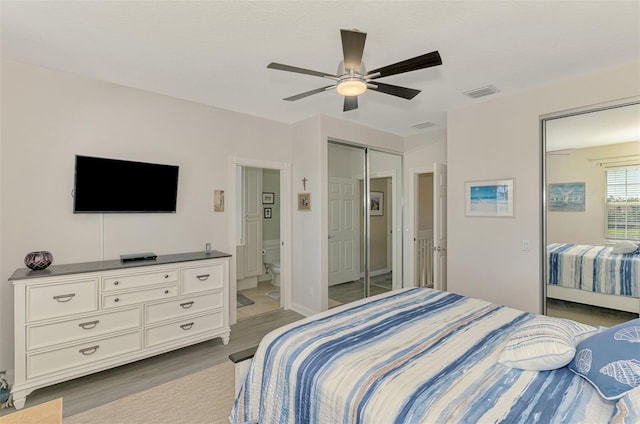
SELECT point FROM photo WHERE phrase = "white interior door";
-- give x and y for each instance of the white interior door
(344, 254)
(440, 226)
(252, 219)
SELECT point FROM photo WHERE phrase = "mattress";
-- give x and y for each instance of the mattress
(593, 268)
(408, 356)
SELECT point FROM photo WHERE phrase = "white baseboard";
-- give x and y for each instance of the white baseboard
(303, 310)
(247, 283)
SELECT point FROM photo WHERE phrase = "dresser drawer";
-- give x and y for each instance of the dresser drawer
(39, 336)
(58, 300)
(183, 329)
(176, 308)
(135, 297)
(202, 278)
(129, 281)
(80, 354)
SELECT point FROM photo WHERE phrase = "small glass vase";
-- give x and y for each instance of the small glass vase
(38, 260)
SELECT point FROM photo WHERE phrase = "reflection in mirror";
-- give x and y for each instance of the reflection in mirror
(592, 173)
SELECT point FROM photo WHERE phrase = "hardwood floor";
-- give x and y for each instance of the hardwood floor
(587, 314)
(96, 389)
(354, 290)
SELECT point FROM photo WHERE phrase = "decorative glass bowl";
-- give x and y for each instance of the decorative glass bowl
(38, 260)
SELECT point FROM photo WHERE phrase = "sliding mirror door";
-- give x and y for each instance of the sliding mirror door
(365, 228)
(592, 199)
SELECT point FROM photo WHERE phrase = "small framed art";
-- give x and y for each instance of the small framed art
(267, 213)
(304, 201)
(567, 197)
(489, 198)
(268, 198)
(377, 203)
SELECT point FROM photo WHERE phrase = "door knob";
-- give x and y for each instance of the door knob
(330, 236)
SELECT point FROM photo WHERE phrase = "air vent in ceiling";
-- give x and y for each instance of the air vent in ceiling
(423, 125)
(481, 92)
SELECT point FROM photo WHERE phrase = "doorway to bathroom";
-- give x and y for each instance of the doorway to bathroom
(260, 217)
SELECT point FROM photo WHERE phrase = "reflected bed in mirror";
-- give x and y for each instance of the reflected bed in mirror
(592, 160)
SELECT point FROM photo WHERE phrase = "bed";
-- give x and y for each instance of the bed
(408, 356)
(593, 275)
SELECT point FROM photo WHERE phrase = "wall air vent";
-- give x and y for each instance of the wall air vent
(423, 125)
(481, 92)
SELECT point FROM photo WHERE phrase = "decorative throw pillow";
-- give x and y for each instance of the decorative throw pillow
(544, 343)
(625, 246)
(610, 360)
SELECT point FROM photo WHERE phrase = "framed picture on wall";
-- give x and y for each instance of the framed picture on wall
(377, 203)
(304, 201)
(567, 197)
(267, 213)
(489, 198)
(268, 198)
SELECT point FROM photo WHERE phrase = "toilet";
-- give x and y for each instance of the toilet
(271, 261)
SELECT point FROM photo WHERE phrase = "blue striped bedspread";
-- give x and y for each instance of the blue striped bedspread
(407, 356)
(593, 268)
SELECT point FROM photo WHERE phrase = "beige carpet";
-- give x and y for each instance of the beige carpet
(205, 397)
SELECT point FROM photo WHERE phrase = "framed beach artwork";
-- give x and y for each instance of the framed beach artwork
(567, 197)
(304, 201)
(489, 198)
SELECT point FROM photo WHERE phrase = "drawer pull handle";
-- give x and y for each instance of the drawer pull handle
(117, 299)
(89, 350)
(115, 283)
(166, 292)
(88, 325)
(186, 305)
(202, 277)
(166, 275)
(64, 297)
(187, 326)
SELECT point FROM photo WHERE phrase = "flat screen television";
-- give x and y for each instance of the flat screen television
(119, 186)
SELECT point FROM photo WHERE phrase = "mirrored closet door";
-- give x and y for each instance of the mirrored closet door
(592, 213)
(365, 222)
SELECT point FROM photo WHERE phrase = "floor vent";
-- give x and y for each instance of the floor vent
(481, 92)
(423, 125)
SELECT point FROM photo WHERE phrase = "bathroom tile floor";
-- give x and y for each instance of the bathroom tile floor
(262, 302)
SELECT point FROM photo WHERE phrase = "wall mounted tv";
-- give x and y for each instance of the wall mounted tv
(119, 186)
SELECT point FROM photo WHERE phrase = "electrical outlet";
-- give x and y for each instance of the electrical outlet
(525, 245)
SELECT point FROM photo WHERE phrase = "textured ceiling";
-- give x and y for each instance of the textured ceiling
(216, 52)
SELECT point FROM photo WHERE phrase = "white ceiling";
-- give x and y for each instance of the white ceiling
(216, 52)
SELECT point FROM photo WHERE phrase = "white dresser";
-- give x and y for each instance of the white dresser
(77, 319)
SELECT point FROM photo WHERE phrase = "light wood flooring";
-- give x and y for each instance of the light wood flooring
(354, 290)
(110, 385)
(587, 314)
(263, 303)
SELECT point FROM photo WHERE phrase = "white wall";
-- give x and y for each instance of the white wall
(49, 116)
(500, 138)
(588, 226)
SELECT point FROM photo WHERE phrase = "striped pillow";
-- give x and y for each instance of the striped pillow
(544, 343)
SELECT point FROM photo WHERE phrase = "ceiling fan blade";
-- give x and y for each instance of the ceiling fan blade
(394, 90)
(309, 93)
(281, 67)
(413, 64)
(350, 103)
(352, 48)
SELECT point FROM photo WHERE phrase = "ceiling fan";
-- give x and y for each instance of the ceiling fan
(352, 79)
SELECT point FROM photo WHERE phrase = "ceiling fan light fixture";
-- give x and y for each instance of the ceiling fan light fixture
(351, 87)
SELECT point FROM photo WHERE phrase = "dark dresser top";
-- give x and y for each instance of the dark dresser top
(65, 269)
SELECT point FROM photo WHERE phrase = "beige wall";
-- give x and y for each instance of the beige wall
(588, 226)
(500, 138)
(425, 202)
(48, 117)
